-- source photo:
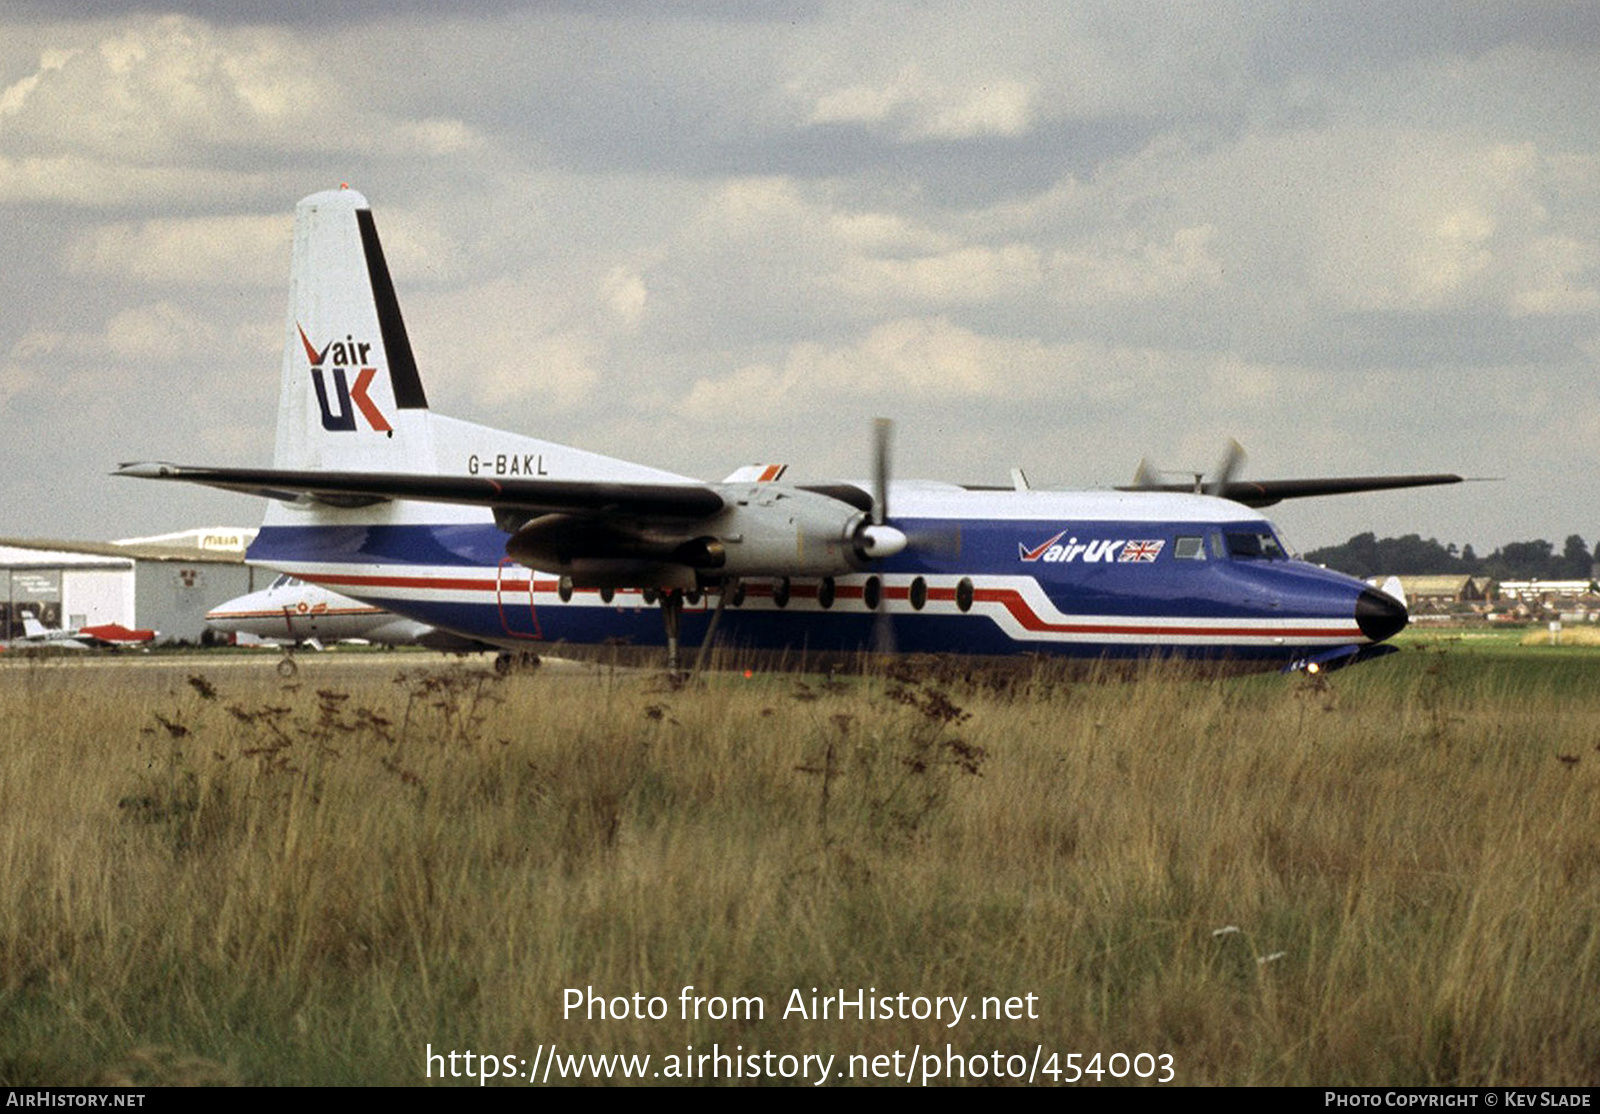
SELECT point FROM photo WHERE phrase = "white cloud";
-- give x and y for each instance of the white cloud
(15, 95)
(150, 106)
(623, 293)
(160, 333)
(1183, 263)
(904, 362)
(549, 371)
(1558, 275)
(16, 379)
(968, 275)
(1099, 229)
(204, 251)
(91, 182)
(1351, 217)
(526, 343)
(915, 106)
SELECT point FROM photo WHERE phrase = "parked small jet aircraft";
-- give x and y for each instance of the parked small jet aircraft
(291, 612)
(517, 541)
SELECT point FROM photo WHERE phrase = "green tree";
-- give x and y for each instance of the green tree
(1575, 559)
(1523, 561)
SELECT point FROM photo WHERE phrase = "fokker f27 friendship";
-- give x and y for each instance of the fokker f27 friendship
(516, 541)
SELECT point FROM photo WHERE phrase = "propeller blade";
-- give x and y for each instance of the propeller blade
(940, 541)
(882, 429)
(1232, 461)
(883, 631)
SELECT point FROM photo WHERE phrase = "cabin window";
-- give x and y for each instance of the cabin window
(872, 593)
(964, 594)
(780, 593)
(564, 589)
(1189, 549)
(607, 594)
(738, 594)
(825, 593)
(919, 593)
(1254, 545)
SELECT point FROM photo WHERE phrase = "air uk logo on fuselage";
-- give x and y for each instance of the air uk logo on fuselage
(1107, 550)
(340, 357)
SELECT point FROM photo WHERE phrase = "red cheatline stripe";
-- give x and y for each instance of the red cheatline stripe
(1023, 614)
(459, 584)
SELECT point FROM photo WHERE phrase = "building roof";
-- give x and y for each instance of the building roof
(40, 557)
(205, 539)
(142, 550)
(1448, 584)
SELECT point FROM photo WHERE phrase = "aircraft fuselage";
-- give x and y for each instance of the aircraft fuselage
(992, 573)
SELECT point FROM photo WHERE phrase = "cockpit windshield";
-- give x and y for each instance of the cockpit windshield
(1254, 545)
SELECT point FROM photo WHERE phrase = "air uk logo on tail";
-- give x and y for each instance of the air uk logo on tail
(342, 356)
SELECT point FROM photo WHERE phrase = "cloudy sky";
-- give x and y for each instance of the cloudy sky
(1358, 237)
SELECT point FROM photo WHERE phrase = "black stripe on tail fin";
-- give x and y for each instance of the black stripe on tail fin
(403, 377)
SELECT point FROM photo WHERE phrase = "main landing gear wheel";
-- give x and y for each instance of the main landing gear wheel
(287, 667)
(520, 661)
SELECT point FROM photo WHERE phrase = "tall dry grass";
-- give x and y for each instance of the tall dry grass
(1389, 877)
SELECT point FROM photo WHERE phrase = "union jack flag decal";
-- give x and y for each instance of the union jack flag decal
(1140, 551)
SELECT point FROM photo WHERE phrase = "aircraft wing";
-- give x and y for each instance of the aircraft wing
(1264, 493)
(356, 489)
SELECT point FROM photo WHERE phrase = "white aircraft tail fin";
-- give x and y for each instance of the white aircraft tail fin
(32, 628)
(351, 397)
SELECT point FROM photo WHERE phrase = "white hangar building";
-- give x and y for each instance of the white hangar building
(164, 583)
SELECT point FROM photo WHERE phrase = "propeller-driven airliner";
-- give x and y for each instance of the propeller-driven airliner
(522, 543)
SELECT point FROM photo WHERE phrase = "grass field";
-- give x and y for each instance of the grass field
(1388, 876)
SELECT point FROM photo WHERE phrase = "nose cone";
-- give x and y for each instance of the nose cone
(1379, 615)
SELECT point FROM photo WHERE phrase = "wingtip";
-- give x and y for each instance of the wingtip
(145, 470)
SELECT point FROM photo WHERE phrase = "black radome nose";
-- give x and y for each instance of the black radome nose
(1379, 615)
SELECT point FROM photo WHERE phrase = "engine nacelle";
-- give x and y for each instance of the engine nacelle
(768, 530)
(764, 530)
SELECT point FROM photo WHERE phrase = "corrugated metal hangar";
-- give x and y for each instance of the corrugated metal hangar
(165, 583)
